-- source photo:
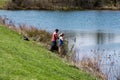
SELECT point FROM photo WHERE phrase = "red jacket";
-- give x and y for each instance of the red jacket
(54, 36)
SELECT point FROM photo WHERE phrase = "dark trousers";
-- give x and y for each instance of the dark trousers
(54, 46)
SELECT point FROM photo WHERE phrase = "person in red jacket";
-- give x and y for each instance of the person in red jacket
(54, 40)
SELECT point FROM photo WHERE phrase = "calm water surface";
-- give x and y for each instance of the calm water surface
(88, 31)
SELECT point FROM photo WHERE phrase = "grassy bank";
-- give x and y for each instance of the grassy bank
(25, 60)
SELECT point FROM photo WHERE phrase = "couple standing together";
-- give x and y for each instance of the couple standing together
(59, 37)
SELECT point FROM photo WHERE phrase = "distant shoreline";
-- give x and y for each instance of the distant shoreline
(61, 5)
(63, 9)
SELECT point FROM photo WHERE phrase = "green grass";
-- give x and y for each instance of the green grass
(25, 60)
(3, 3)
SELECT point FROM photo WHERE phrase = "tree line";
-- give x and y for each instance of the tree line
(63, 4)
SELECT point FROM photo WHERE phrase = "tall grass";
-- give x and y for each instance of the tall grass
(102, 63)
(34, 33)
(92, 65)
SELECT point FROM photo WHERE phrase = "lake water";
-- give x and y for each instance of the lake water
(89, 32)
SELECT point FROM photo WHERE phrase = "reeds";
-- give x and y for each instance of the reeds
(34, 33)
(92, 65)
(103, 63)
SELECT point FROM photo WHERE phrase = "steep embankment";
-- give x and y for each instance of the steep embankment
(25, 60)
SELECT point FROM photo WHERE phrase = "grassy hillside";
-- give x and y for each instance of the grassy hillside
(25, 60)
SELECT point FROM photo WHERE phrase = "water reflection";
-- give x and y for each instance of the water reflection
(94, 38)
(102, 38)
